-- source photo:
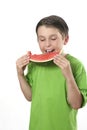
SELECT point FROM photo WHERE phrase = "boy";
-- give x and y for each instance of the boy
(57, 88)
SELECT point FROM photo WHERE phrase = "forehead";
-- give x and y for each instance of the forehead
(44, 30)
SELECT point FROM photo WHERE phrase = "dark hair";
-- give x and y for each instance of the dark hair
(54, 21)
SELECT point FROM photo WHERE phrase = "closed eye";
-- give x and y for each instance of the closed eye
(42, 40)
(53, 39)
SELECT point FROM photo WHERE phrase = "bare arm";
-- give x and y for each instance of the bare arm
(21, 65)
(74, 96)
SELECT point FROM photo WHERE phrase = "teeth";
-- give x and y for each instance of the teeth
(48, 50)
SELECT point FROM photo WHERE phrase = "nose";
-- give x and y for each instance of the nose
(48, 43)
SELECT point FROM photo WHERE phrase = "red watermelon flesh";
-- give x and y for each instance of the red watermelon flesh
(43, 57)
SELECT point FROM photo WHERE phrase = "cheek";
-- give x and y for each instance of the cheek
(56, 44)
(41, 45)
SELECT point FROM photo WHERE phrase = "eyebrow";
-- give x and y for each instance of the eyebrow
(40, 36)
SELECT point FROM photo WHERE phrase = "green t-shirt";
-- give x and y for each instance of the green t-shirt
(49, 107)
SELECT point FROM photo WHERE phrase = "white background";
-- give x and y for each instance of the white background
(18, 19)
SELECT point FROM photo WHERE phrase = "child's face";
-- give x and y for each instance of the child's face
(50, 39)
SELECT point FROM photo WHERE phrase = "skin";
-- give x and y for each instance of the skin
(50, 39)
(21, 64)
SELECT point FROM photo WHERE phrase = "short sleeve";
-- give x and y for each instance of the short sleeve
(28, 75)
(81, 80)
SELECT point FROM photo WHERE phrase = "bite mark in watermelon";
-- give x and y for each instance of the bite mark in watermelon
(43, 57)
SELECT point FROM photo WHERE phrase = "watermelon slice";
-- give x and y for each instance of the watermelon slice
(43, 57)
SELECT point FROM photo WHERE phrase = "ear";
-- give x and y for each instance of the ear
(66, 39)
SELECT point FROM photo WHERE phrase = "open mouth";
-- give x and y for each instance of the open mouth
(48, 51)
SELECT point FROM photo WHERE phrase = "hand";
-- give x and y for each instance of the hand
(22, 62)
(64, 64)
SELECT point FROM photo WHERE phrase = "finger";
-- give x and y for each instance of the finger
(61, 59)
(29, 53)
(60, 64)
(25, 58)
(25, 61)
(22, 62)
